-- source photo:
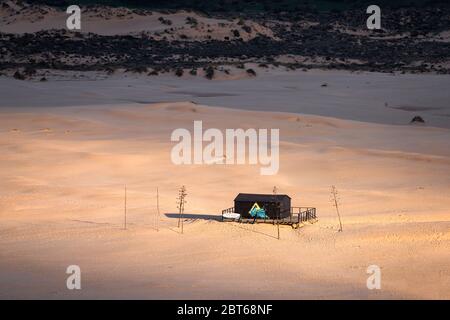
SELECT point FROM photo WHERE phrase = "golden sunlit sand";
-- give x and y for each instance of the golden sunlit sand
(62, 178)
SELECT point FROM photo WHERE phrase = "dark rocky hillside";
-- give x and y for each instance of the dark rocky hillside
(411, 40)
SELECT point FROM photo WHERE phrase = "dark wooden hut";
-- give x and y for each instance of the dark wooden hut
(276, 206)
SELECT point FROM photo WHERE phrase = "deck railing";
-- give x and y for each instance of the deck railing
(297, 215)
(303, 214)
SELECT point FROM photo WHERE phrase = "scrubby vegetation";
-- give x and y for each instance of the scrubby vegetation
(209, 72)
(400, 46)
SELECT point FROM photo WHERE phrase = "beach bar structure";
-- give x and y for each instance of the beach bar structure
(275, 206)
(272, 208)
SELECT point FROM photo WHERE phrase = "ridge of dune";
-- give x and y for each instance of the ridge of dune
(25, 18)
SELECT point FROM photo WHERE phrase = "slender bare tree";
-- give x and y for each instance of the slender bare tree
(278, 209)
(335, 200)
(181, 201)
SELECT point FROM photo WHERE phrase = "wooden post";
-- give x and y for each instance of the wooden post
(278, 227)
(182, 220)
(125, 209)
(179, 216)
(278, 210)
(157, 209)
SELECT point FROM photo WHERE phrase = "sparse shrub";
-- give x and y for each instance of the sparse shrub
(209, 72)
(251, 72)
(18, 75)
(109, 70)
(165, 21)
(247, 29)
(193, 72)
(179, 72)
(192, 21)
(43, 79)
(29, 71)
(137, 69)
(417, 119)
(236, 33)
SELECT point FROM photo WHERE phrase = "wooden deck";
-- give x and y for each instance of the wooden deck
(298, 215)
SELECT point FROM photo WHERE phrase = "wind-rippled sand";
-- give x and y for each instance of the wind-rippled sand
(62, 177)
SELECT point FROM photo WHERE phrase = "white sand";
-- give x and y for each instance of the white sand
(369, 97)
(63, 171)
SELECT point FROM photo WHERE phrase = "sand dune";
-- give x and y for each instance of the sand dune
(22, 18)
(62, 203)
(351, 96)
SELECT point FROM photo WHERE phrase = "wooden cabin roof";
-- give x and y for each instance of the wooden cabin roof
(253, 197)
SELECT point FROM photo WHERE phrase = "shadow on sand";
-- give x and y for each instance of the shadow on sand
(194, 216)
